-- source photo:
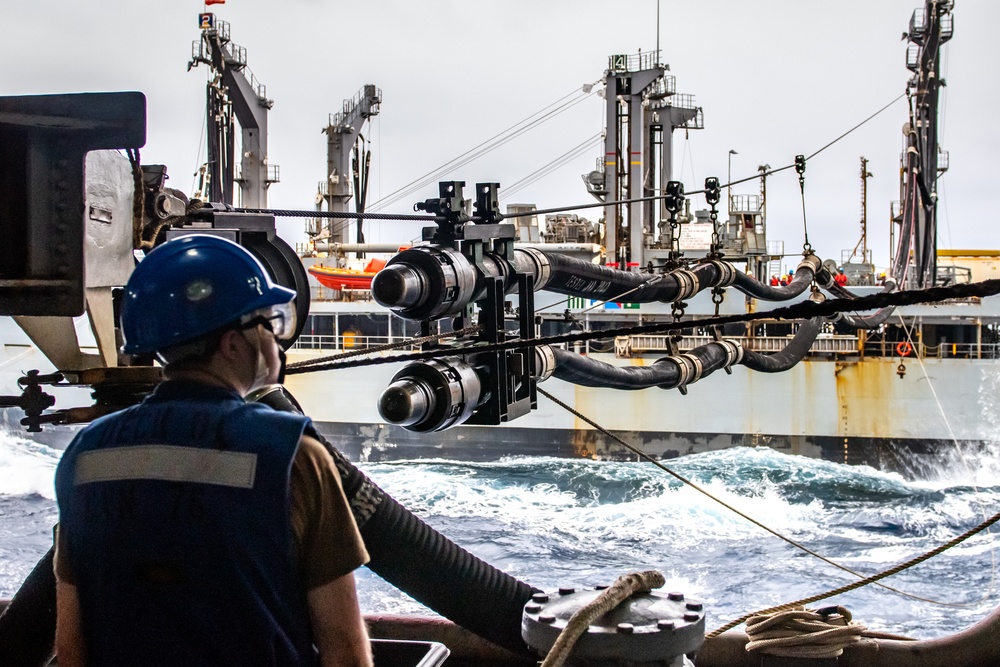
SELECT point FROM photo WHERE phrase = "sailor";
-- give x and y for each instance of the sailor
(840, 278)
(197, 528)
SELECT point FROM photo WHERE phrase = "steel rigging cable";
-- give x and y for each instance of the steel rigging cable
(552, 166)
(499, 139)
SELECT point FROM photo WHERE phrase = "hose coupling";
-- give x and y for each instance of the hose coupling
(545, 362)
(689, 369)
(687, 284)
(810, 261)
(726, 271)
(733, 351)
(534, 262)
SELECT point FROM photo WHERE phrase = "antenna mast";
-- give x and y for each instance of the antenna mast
(865, 175)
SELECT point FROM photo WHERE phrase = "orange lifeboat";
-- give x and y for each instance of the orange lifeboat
(338, 278)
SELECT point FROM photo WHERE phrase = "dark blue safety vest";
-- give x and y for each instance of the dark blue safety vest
(175, 517)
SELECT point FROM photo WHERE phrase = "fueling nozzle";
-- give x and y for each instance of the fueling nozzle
(432, 395)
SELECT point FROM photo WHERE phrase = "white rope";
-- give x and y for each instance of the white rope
(804, 633)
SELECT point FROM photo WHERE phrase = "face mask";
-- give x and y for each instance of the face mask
(260, 369)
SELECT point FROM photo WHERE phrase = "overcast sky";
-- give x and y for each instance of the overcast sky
(774, 77)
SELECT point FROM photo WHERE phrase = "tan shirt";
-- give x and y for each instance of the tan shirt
(327, 543)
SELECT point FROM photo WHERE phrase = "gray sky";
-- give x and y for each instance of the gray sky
(775, 78)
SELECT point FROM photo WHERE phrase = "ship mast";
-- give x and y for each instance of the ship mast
(344, 140)
(233, 89)
(930, 27)
(863, 243)
(643, 110)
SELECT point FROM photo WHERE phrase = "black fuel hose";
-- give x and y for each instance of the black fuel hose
(577, 277)
(878, 318)
(800, 283)
(28, 624)
(792, 353)
(665, 373)
(422, 562)
(682, 369)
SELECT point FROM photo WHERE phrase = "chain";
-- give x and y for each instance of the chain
(713, 194)
(673, 201)
(800, 169)
(718, 296)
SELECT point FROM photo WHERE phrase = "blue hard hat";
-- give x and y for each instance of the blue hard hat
(191, 286)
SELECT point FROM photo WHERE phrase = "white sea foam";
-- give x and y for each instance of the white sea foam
(26, 467)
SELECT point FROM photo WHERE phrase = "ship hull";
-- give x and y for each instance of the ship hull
(855, 412)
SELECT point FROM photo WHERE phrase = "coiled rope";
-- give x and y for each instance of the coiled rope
(624, 587)
(806, 633)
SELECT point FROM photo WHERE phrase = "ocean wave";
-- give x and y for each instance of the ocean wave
(26, 467)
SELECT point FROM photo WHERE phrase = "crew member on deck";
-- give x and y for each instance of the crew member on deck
(840, 278)
(196, 528)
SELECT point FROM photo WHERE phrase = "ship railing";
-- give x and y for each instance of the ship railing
(345, 341)
(634, 62)
(945, 350)
(626, 346)
(370, 94)
(222, 27)
(664, 86)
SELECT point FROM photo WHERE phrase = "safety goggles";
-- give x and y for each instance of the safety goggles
(278, 319)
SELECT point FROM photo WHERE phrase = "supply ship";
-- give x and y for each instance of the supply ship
(908, 385)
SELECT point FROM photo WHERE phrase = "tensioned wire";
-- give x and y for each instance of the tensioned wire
(494, 142)
(874, 579)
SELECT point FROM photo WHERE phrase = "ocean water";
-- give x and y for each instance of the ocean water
(559, 522)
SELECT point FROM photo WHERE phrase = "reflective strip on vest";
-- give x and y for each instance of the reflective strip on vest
(167, 463)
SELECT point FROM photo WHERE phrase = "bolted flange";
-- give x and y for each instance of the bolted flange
(651, 627)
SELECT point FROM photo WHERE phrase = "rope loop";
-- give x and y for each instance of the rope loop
(803, 633)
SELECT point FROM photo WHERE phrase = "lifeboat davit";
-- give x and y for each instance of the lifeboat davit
(338, 278)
